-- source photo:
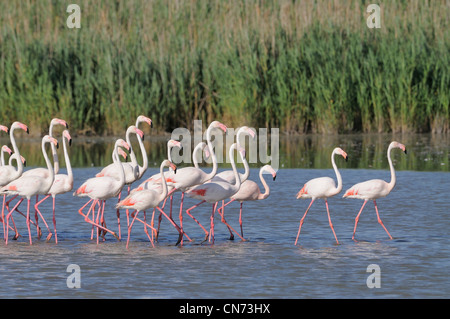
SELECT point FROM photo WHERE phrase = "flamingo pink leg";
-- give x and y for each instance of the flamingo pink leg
(39, 212)
(302, 220)
(211, 232)
(357, 219)
(86, 218)
(145, 224)
(28, 220)
(329, 220)
(180, 231)
(379, 219)
(188, 211)
(7, 220)
(231, 229)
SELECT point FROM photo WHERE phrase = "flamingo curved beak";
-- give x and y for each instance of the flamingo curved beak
(174, 167)
(251, 132)
(7, 149)
(4, 128)
(24, 161)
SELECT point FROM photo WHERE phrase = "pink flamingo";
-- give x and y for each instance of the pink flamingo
(322, 187)
(187, 177)
(5, 149)
(28, 186)
(249, 191)
(9, 173)
(42, 171)
(374, 188)
(101, 188)
(154, 182)
(62, 183)
(213, 192)
(149, 198)
(130, 169)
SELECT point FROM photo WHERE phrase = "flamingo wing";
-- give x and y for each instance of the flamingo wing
(371, 189)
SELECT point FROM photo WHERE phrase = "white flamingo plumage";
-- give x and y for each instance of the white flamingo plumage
(250, 191)
(322, 187)
(9, 173)
(213, 192)
(375, 188)
(62, 183)
(101, 188)
(28, 186)
(149, 198)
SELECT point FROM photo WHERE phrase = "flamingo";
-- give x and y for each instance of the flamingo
(322, 187)
(249, 191)
(28, 186)
(141, 169)
(62, 183)
(5, 149)
(187, 177)
(213, 192)
(149, 198)
(101, 188)
(374, 188)
(9, 173)
(130, 169)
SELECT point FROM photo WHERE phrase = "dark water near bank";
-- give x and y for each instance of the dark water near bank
(268, 265)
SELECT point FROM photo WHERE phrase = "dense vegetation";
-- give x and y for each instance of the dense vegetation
(302, 66)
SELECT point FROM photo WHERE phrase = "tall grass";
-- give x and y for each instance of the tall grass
(302, 66)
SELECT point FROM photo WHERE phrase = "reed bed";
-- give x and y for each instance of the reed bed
(301, 66)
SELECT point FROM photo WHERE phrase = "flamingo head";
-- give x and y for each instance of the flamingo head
(341, 152)
(4, 128)
(5, 148)
(56, 121)
(399, 145)
(173, 143)
(122, 153)
(168, 163)
(21, 126)
(24, 161)
(219, 125)
(247, 130)
(120, 142)
(67, 135)
(269, 169)
(143, 118)
(49, 139)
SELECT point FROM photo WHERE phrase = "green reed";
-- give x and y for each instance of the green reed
(302, 66)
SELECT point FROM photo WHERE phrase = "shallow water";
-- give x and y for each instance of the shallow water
(268, 265)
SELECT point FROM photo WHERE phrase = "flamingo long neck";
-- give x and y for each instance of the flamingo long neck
(51, 173)
(197, 149)
(132, 155)
(266, 187)
(164, 183)
(237, 183)
(16, 151)
(244, 161)
(144, 166)
(213, 154)
(391, 166)
(3, 158)
(54, 153)
(67, 160)
(119, 166)
(338, 174)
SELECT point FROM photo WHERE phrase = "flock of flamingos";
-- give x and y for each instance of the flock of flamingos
(192, 181)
